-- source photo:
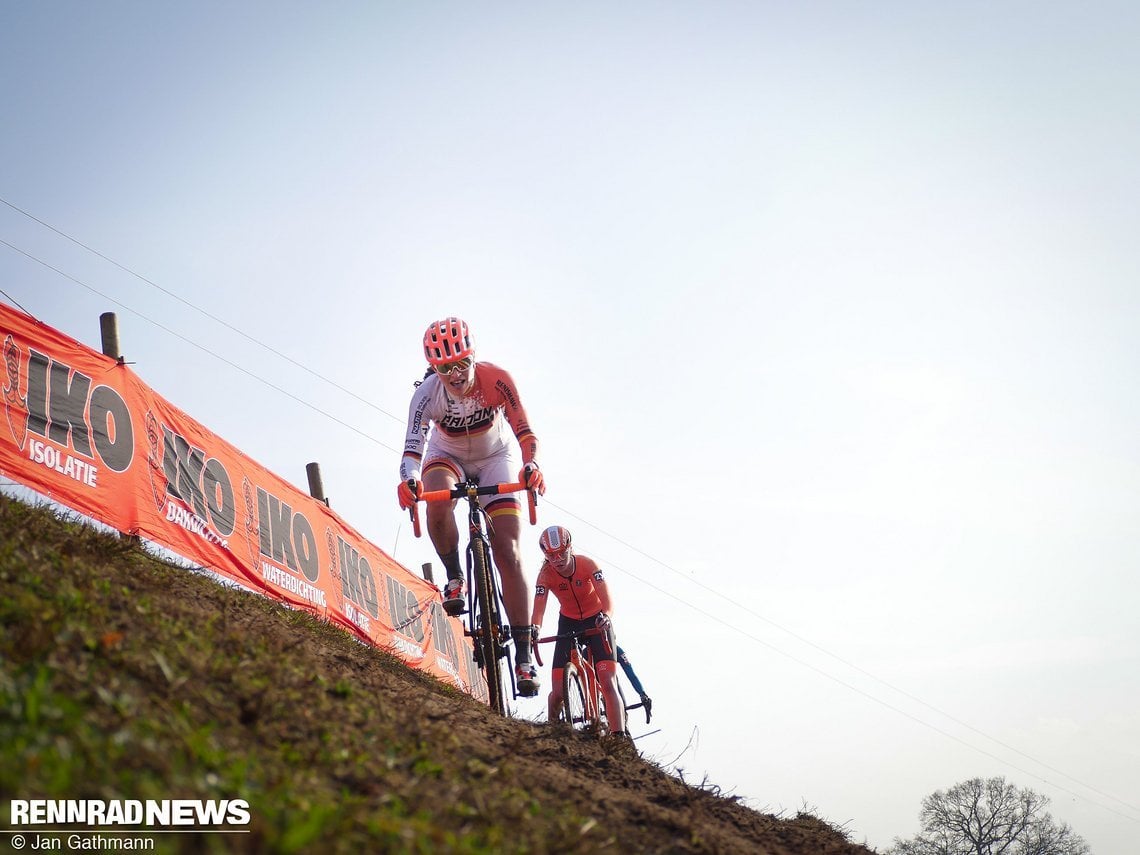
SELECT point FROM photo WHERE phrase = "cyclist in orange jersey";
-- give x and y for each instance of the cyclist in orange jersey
(460, 423)
(584, 601)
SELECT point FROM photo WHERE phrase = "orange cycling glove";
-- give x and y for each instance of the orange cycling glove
(408, 492)
(531, 476)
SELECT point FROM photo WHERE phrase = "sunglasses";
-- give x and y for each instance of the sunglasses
(449, 367)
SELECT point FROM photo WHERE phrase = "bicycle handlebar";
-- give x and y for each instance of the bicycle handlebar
(576, 636)
(470, 491)
(581, 633)
(466, 489)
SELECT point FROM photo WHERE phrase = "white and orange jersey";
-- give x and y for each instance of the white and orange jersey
(580, 595)
(473, 428)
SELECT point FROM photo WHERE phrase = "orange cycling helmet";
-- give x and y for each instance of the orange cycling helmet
(447, 341)
(554, 539)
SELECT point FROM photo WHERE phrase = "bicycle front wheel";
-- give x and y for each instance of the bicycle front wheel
(487, 630)
(574, 708)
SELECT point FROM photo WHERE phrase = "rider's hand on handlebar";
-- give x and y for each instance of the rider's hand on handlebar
(647, 705)
(602, 621)
(408, 492)
(535, 631)
(531, 476)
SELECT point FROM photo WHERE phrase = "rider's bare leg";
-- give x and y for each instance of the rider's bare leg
(441, 525)
(554, 699)
(615, 709)
(516, 593)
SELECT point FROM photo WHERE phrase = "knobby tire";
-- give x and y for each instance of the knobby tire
(487, 630)
(574, 697)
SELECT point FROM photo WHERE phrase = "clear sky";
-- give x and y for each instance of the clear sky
(826, 315)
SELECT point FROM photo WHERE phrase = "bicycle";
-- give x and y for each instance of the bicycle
(485, 622)
(583, 704)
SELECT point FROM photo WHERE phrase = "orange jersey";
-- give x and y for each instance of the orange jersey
(578, 595)
(468, 429)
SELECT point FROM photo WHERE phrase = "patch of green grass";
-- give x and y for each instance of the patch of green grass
(128, 678)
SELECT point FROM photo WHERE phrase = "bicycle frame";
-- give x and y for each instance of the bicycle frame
(485, 624)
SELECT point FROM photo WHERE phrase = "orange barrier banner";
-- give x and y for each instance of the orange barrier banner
(83, 430)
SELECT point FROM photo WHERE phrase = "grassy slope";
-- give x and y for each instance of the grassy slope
(122, 677)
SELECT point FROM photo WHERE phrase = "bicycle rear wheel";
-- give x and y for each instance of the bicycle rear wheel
(487, 629)
(574, 697)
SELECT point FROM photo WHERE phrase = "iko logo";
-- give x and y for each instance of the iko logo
(64, 407)
(287, 537)
(357, 583)
(202, 485)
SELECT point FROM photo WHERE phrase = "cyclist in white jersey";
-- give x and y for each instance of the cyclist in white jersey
(460, 424)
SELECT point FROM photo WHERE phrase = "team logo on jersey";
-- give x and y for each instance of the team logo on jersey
(456, 422)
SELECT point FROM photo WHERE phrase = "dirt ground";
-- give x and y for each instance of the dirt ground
(639, 808)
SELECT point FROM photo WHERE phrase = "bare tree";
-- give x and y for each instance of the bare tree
(989, 817)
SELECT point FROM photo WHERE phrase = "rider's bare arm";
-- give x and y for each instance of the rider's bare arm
(603, 593)
(539, 610)
(511, 402)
